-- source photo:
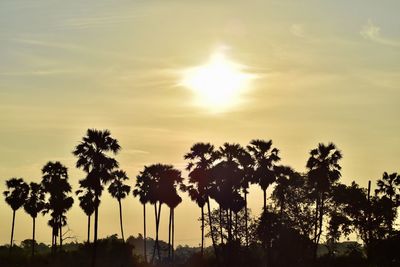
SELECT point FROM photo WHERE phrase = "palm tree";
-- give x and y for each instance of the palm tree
(246, 164)
(55, 183)
(16, 196)
(388, 187)
(143, 191)
(119, 191)
(201, 159)
(173, 202)
(265, 158)
(148, 186)
(155, 184)
(323, 171)
(196, 196)
(34, 204)
(227, 179)
(170, 179)
(93, 157)
(286, 179)
(86, 202)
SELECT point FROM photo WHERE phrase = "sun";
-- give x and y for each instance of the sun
(219, 83)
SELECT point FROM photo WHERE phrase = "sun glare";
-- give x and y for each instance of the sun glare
(218, 83)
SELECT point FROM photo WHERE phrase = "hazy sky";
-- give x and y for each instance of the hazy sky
(327, 71)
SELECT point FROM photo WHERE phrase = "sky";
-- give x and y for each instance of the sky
(325, 71)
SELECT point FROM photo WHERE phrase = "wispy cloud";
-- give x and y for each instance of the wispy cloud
(44, 72)
(47, 44)
(372, 32)
(97, 21)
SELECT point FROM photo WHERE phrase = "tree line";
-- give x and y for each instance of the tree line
(305, 208)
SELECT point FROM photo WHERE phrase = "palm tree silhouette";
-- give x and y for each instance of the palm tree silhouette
(170, 180)
(147, 184)
(201, 159)
(55, 183)
(86, 202)
(246, 164)
(227, 182)
(155, 184)
(34, 204)
(143, 191)
(265, 158)
(119, 191)
(93, 157)
(172, 203)
(16, 196)
(323, 171)
(283, 179)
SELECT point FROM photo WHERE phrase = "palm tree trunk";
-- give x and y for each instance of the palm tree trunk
(12, 230)
(96, 218)
(33, 236)
(202, 231)
(88, 230)
(158, 227)
(169, 234)
(246, 218)
(144, 233)
(265, 199)
(96, 221)
(120, 220)
(52, 240)
(173, 234)
(211, 230)
(156, 244)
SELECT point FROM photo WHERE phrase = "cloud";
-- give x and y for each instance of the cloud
(372, 32)
(297, 30)
(47, 44)
(97, 21)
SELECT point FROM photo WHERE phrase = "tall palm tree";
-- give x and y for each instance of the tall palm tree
(170, 180)
(265, 158)
(34, 204)
(227, 178)
(246, 164)
(16, 196)
(323, 172)
(119, 191)
(196, 196)
(148, 186)
(55, 183)
(86, 202)
(94, 157)
(143, 191)
(388, 187)
(201, 159)
(173, 202)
